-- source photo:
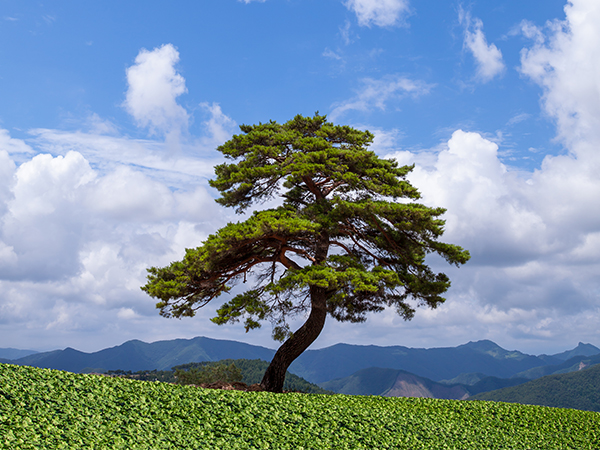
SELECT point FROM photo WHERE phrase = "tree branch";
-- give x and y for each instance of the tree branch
(352, 235)
(312, 187)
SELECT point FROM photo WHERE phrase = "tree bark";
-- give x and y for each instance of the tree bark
(292, 348)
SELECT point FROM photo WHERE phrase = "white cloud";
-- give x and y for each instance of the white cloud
(385, 140)
(128, 195)
(328, 53)
(518, 118)
(382, 13)
(96, 125)
(154, 86)
(482, 199)
(18, 149)
(535, 238)
(250, 1)
(80, 222)
(84, 213)
(42, 221)
(126, 313)
(152, 157)
(345, 33)
(378, 93)
(533, 272)
(487, 56)
(75, 242)
(7, 171)
(8, 257)
(219, 127)
(564, 62)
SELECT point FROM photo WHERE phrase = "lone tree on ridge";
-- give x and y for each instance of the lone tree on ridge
(348, 238)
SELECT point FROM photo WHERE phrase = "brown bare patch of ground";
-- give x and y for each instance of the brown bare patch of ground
(235, 386)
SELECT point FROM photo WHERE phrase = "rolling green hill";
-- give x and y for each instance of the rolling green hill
(580, 390)
(43, 409)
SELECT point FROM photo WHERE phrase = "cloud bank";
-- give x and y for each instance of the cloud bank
(83, 214)
(534, 237)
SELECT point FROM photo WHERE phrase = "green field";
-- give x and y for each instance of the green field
(41, 408)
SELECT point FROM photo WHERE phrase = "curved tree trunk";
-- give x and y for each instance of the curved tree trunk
(292, 348)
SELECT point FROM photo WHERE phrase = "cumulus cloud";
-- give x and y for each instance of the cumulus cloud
(153, 88)
(376, 94)
(41, 223)
(534, 237)
(75, 241)
(7, 170)
(84, 213)
(487, 56)
(533, 270)
(382, 13)
(563, 60)
(81, 221)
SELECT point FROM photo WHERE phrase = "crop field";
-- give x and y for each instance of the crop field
(41, 408)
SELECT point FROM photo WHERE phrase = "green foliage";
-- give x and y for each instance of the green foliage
(348, 227)
(209, 373)
(41, 409)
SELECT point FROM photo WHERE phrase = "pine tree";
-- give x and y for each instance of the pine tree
(348, 238)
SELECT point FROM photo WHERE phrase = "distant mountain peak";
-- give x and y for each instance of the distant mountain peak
(582, 349)
(13, 353)
(581, 345)
(494, 350)
(483, 345)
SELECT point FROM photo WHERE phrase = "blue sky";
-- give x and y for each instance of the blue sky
(110, 113)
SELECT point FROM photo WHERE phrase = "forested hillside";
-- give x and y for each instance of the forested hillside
(579, 390)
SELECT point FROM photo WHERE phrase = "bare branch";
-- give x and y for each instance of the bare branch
(299, 252)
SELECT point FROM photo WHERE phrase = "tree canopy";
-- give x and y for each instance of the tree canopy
(348, 237)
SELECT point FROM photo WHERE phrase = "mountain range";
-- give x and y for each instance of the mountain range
(476, 370)
(466, 364)
(437, 364)
(13, 353)
(136, 355)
